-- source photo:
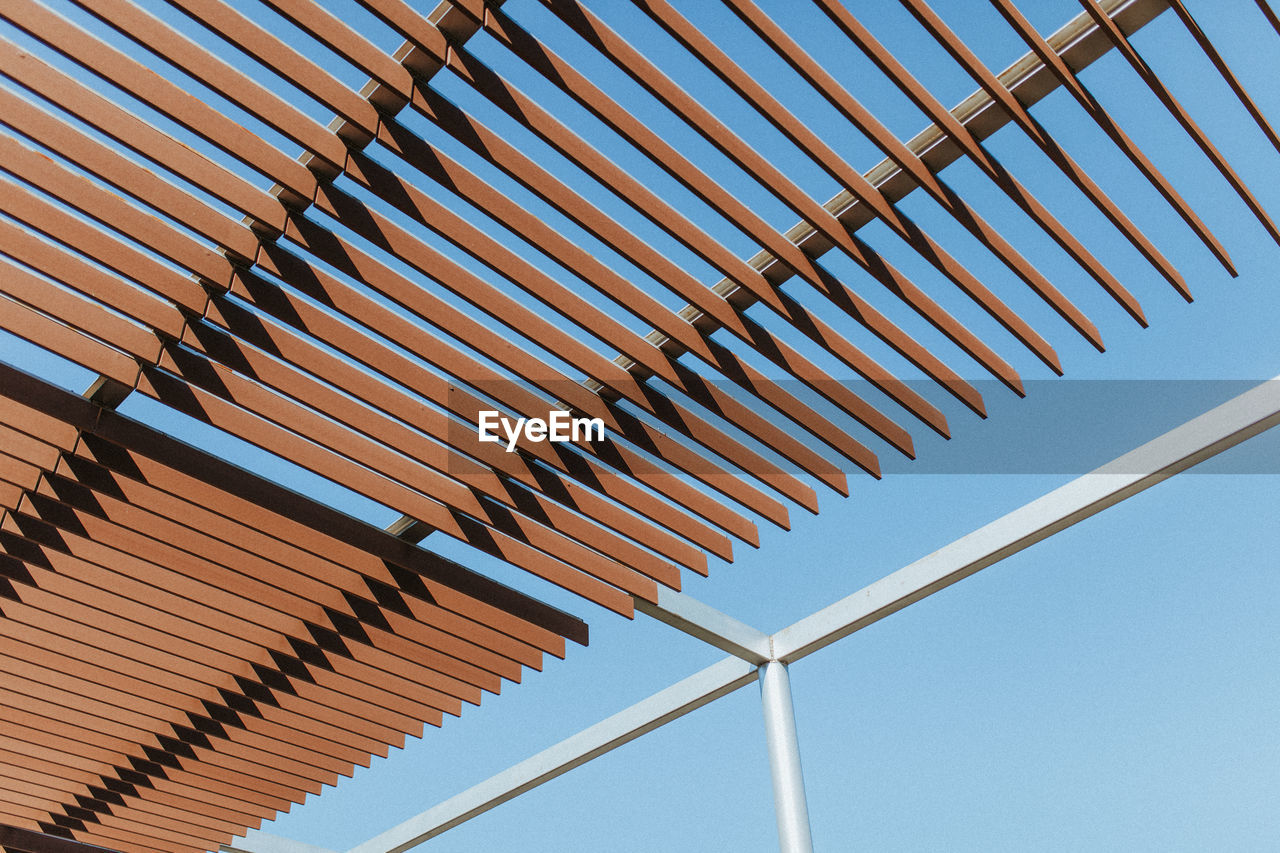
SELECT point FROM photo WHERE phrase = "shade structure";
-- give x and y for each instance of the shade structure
(191, 647)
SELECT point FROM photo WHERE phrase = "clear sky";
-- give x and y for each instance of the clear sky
(1115, 687)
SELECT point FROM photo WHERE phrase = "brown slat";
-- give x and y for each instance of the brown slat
(755, 95)
(68, 737)
(137, 136)
(130, 302)
(421, 452)
(107, 208)
(187, 110)
(577, 86)
(1108, 125)
(1228, 75)
(330, 30)
(408, 249)
(59, 589)
(150, 32)
(146, 186)
(73, 272)
(92, 797)
(673, 97)
(307, 762)
(325, 288)
(365, 269)
(330, 561)
(55, 772)
(439, 579)
(130, 542)
(195, 533)
(413, 202)
(116, 547)
(79, 194)
(55, 337)
(849, 107)
(1020, 195)
(241, 32)
(1183, 118)
(285, 598)
(301, 315)
(111, 211)
(1012, 107)
(128, 655)
(522, 169)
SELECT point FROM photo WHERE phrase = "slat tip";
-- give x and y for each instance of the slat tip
(839, 483)
(809, 501)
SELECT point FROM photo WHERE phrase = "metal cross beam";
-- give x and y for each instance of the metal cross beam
(256, 841)
(693, 692)
(1219, 429)
(1195, 441)
(699, 620)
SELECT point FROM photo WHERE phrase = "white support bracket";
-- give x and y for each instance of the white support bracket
(1219, 429)
(693, 692)
(1236, 420)
(256, 841)
(699, 620)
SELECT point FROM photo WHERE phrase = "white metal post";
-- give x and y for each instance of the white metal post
(784, 759)
(1227, 425)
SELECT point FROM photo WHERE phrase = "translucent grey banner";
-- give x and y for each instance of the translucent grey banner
(1061, 427)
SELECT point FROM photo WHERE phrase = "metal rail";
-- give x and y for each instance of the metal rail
(1217, 430)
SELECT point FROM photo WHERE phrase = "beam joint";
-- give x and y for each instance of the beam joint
(704, 622)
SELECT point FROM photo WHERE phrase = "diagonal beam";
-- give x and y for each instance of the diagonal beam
(1217, 430)
(1221, 428)
(256, 841)
(693, 692)
(696, 619)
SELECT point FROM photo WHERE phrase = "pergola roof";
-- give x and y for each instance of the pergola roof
(190, 647)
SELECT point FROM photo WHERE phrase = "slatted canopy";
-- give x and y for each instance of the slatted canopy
(477, 221)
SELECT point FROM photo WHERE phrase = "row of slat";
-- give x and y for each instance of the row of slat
(183, 639)
(189, 648)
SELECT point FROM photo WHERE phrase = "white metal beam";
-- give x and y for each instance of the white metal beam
(1195, 441)
(256, 841)
(1213, 432)
(709, 625)
(693, 692)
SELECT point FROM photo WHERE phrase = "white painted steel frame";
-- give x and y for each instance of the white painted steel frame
(693, 692)
(789, 803)
(744, 643)
(256, 841)
(1219, 429)
(709, 625)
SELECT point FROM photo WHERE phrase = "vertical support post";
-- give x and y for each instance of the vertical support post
(784, 759)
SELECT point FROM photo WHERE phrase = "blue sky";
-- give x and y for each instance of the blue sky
(1112, 688)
